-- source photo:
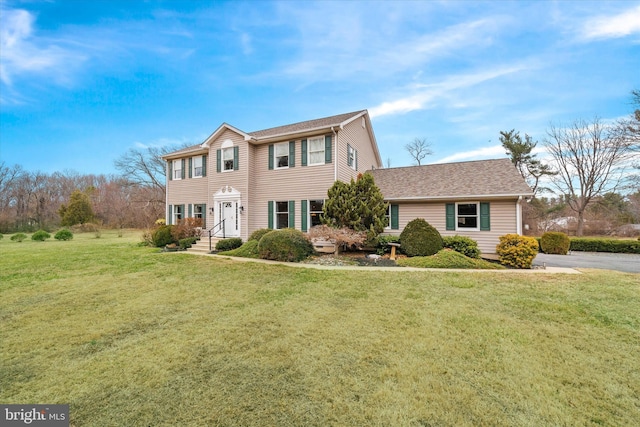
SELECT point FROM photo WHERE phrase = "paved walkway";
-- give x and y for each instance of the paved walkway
(548, 270)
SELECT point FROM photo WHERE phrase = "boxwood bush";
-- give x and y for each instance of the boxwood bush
(462, 244)
(285, 245)
(555, 242)
(419, 238)
(63, 234)
(228, 244)
(40, 236)
(517, 251)
(187, 242)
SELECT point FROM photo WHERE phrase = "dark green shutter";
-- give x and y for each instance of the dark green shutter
(170, 170)
(236, 158)
(183, 167)
(355, 158)
(292, 154)
(304, 159)
(183, 212)
(292, 214)
(327, 149)
(451, 216)
(218, 160)
(303, 215)
(395, 220)
(190, 211)
(204, 165)
(485, 223)
(204, 215)
(270, 213)
(270, 159)
(170, 216)
(190, 166)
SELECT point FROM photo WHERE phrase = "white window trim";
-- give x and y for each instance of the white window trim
(319, 139)
(388, 216)
(222, 160)
(193, 162)
(275, 155)
(351, 161)
(309, 211)
(276, 212)
(177, 176)
(175, 214)
(477, 228)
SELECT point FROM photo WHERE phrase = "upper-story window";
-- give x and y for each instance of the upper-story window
(197, 166)
(227, 159)
(177, 168)
(352, 157)
(281, 155)
(316, 150)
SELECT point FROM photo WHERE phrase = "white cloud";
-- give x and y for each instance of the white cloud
(419, 100)
(494, 151)
(613, 26)
(23, 53)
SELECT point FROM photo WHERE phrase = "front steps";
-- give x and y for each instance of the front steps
(202, 246)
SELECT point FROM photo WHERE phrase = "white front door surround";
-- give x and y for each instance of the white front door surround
(227, 204)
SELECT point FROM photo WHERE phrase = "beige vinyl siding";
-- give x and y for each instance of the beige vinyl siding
(294, 183)
(188, 190)
(502, 217)
(238, 179)
(357, 137)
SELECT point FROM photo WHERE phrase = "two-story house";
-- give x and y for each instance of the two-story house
(238, 182)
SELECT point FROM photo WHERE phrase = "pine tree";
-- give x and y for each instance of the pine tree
(78, 211)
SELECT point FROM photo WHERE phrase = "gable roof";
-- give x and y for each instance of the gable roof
(308, 125)
(497, 178)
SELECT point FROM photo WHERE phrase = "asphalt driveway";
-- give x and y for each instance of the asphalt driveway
(629, 263)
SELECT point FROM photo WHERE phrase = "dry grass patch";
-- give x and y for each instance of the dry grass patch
(130, 336)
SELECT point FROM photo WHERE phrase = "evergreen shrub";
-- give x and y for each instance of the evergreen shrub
(162, 236)
(187, 242)
(555, 242)
(248, 250)
(18, 237)
(63, 234)
(462, 244)
(40, 236)
(285, 245)
(229, 244)
(257, 235)
(517, 251)
(419, 238)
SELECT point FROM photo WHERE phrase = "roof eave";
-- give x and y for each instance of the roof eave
(458, 197)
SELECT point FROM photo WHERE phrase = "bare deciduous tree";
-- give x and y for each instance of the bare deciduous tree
(590, 158)
(419, 149)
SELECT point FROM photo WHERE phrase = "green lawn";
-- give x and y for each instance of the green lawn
(129, 336)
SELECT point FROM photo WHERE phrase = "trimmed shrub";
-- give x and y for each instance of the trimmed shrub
(40, 236)
(381, 243)
(419, 238)
(448, 258)
(18, 237)
(257, 235)
(462, 244)
(63, 234)
(555, 242)
(248, 250)
(229, 244)
(586, 244)
(162, 236)
(187, 242)
(285, 245)
(517, 251)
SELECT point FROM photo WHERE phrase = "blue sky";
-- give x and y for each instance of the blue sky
(84, 81)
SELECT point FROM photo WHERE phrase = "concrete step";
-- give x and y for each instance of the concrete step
(202, 245)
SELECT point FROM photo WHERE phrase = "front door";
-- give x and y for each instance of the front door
(229, 213)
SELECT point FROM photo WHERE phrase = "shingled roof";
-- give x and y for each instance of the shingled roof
(482, 178)
(325, 122)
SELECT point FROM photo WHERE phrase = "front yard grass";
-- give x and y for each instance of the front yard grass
(130, 336)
